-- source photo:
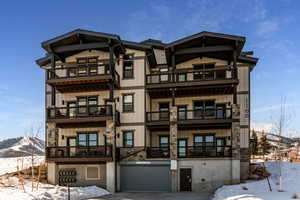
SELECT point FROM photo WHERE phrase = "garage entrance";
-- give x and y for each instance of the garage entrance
(145, 178)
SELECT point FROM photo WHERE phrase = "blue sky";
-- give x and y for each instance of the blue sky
(271, 27)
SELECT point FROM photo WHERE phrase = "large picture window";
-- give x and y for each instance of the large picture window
(128, 64)
(128, 139)
(204, 140)
(87, 139)
(128, 105)
(164, 142)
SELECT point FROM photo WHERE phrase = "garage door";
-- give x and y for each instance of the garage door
(145, 178)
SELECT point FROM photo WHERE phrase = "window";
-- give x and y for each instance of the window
(164, 76)
(204, 109)
(87, 139)
(92, 173)
(128, 105)
(203, 140)
(182, 112)
(128, 138)
(128, 66)
(87, 66)
(87, 105)
(181, 77)
(163, 141)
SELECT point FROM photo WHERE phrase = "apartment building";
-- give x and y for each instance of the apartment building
(147, 116)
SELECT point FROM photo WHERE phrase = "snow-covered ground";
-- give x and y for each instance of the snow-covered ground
(47, 192)
(8, 165)
(258, 190)
(11, 188)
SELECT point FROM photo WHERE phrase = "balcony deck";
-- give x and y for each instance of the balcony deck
(187, 82)
(81, 114)
(77, 78)
(188, 119)
(70, 154)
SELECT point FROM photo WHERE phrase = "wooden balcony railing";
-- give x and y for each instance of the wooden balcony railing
(104, 151)
(204, 114)
(158, 152)
(79, 112)
(204, 151)
(191, 75)
(157, 116)
(93, 70)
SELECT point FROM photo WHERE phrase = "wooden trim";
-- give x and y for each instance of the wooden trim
(133, 124)
(195, 50)
(78, 47)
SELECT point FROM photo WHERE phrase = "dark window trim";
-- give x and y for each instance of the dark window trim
(123, 67)
(87, 58)
(160, 136)
(87, 139)
(203, 135)
(128, 111)
(208, 63)
(123, 135)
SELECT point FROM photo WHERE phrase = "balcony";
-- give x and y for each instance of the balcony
(158, 118)
(81, 114)
(204, 151)
(79, 153)
(158, 152)
(151, 152)
(187, 82)
(82, 77)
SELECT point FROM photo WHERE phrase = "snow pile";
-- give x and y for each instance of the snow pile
(8, 165)
(48, 192)
(258, 190)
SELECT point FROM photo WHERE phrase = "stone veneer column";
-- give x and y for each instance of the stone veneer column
(173, 147)
(235, 140)
(110, 166)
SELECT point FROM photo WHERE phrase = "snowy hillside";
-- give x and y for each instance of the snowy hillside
(258, 190)
(21, 146)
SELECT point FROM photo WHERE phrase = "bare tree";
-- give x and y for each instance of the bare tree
(280, 123)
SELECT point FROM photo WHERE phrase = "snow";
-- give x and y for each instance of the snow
(8, 165)
(11, 188)
(48, 192)
(258, 190)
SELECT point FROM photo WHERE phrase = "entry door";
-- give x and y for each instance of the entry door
(71, 143)
(182, 148)
(72, 108)
(185, 179)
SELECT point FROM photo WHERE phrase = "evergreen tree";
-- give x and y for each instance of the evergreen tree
(254, 143)
(264, 147)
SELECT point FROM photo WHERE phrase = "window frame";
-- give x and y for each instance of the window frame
(159, 141)
(131, 59)
(123, 103)
(125, 139)
(204, 143)
(87, 141)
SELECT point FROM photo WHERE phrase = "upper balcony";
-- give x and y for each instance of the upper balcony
(82, 77)
(188, 119)
(190, 81)
(82, 114)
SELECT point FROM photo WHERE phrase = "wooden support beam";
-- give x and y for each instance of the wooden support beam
(204, 49)
(53, 90)
(235, 75)
(78, 47)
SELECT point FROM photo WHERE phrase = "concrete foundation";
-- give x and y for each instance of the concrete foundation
(110, 177)
(208, 175)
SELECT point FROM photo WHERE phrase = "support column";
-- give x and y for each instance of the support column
(111, 169)
(52, 75)
(235, 144)
(235, 72)
(173, 148)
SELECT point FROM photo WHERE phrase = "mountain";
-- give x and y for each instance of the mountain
(21, 146)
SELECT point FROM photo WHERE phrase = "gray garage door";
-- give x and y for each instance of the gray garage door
(145, 178)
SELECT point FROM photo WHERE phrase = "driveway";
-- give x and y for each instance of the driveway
(156, 196)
